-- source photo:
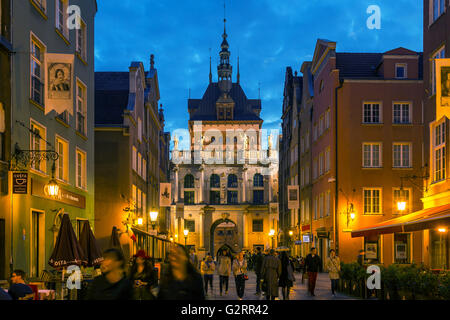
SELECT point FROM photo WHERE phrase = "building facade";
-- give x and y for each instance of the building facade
(224, 185)
(38, 130)
(128, 140)
(360, 152)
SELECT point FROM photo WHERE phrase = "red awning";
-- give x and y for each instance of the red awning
(419, 220)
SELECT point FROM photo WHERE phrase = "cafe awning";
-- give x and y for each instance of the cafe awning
(419, 220)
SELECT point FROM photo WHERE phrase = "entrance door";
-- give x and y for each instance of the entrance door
(37, 243)
(2, 249)
(224, 232)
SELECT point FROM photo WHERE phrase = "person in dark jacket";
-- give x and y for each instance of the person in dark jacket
(143, 277)
(287, 275)
(270, 272)
(112, 284)
(258, 267)
(19, 290)
(180, 280)
(313, 264)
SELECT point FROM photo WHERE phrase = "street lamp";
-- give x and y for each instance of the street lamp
(272, 234)
(51, 189)
(153, 218)
(186, 233)
(350, 214)
(140, 221)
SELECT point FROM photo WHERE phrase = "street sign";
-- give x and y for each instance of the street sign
(306, 238)
(298, 242)
(20, 182)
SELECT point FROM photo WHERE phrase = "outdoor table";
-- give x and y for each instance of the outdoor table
(47, 294)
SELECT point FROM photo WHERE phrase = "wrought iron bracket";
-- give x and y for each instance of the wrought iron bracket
(21, 159)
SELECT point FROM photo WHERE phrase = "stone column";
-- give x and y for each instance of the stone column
(245, 228)
(202, 182)
(201, 229)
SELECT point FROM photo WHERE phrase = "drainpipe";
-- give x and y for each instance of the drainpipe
(336, 192)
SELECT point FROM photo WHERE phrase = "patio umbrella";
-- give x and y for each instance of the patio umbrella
(114, 241)
(89, 246)
(67, 250)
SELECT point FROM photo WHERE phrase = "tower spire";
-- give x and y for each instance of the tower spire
(224, 69)
(238, 73)
(210, 70)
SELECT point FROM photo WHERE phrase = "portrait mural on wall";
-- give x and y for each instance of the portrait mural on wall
(445, 86)
(442, 73)
(59, 75)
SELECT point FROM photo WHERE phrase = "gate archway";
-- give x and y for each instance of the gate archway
(224, 233)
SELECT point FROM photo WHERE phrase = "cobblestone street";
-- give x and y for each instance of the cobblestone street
(298, 292)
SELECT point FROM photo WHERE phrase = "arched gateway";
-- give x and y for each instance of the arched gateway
(224, 234)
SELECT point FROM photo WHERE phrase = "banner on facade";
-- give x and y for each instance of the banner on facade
(165, 195)
(442, 88)
(59, 73)
(293, 197)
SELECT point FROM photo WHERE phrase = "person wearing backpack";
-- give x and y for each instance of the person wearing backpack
(287, 275)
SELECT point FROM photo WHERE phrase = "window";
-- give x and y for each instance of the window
(307, 141)
(258, 180)
(81, 169)
(321, 163)
(403, 195)
(62, 164)
(214, 181)
(81, 108)
(372, 201)
(61, 18)
(232, 181)
(302, 145)
(189, 181)
(307, 174)
(400, 70)
(315, 135)
(302, 177)
(81, 40)
(214, 197)
(307, 209)
(258, 225)
(258, 196)
(314, 169)
(372, 113)
(439, 152)
(327, 159)
(189, 197)
(402, 155)
(321, 205)
(316, 205)
(232, 197)
(302, 211)
(139, 164)
(402, 248)
(437, 9)
(139, 127)
(401, 113)
(327, 203)
(133, 158)
(37, 71)
(440, 54)
(144, 169)
(327, 119)
(189, 225)
(37, 142)
(371, 155)
(321, 123)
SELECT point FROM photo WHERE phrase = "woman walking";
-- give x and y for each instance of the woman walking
(287, 275)
(143, 276)
(333, 267)
(270, 272)
(224, 270)
(239, 271)
(180, 280)
(208, 267)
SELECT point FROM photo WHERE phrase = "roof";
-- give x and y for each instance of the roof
(205, 108)
(365, 65)
(419, 220)
(111, 97)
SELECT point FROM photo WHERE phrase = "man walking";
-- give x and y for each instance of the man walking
(312, 265)
(208, 267)
(258, 267)
(193, 257)
(224, 270)
(270, 272)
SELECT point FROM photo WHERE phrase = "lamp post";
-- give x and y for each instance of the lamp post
(153, 219)
(186, 233)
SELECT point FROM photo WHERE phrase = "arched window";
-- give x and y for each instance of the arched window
(189, 181)
(232, 181)
(258, 180)
(214, 181)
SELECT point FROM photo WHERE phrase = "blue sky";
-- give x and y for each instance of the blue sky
(268, 34)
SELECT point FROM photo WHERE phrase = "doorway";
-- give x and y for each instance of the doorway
(224, 232)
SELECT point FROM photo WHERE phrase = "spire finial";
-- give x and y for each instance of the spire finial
(259, 90)
(224, 21)
(210, 70)
(238, 73)
(152, 61)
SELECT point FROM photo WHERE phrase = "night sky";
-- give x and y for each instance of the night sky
(268, 34)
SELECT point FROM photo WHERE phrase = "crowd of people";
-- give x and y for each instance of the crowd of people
(183, 276)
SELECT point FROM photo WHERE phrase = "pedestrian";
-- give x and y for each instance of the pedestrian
(194, 258)
(312, 266)
(333, 267)
(208, 267)
(224, 270)
(4, 295)
(112, 284)
(143, 277)
(19, 290)
(240, 274)
(287, 275)
(360, 258)
(180, 280)
(258, 266)
(270, 273)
